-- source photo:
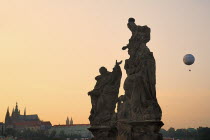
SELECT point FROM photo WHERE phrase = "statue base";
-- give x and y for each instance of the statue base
(103, 132)
(139, 130)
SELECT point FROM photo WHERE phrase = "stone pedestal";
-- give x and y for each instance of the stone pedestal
(103, 132)
(139, 130)
(124, 130)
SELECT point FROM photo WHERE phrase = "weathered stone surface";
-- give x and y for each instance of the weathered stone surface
(146, 130)
(143, 130)
(104, 132)
(104, 97)
(139, 102)
(139, 113)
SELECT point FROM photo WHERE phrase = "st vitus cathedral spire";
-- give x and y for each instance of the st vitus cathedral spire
(16, 108)
(13, 112)
(7, 114)
(16, 112)
(7, 117)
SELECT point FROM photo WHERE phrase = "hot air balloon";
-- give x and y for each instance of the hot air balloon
(189, 59)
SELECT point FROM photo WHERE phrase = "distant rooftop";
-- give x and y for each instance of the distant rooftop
(71, 125)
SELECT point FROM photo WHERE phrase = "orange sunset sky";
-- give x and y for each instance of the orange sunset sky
(51, 50)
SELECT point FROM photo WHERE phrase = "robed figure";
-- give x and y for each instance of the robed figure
(104, 96)
(139, 102)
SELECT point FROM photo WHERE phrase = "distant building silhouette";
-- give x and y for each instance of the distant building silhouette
(69, 122)
(20, 122)
(2, 128)
(72, 129)
(16, 117)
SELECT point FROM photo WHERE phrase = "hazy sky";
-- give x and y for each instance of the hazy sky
(51, 50)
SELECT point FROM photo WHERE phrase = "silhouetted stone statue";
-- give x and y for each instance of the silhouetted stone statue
(139, 113)
(104, 97)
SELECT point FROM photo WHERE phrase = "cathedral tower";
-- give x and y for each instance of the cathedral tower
(7, 117)
(13, 112)
(71, 122)
(16, 112)
(25, 111)
(67, 121)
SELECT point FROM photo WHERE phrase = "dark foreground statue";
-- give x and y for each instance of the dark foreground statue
(104, 97)
(139, 114)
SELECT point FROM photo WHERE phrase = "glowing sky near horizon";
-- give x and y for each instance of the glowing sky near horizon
(51, 50)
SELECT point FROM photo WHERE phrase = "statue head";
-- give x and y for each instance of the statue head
(131, 24)
(102, 70)
(131, 20)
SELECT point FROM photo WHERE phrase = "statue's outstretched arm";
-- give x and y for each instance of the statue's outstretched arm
(116, 73)
(118, 63)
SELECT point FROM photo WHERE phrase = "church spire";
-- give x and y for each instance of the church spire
(67, 121)
(25, 111)
(16, 111)
(7, 109)
(13, 111)
(7, 117)
(71, 121)
(7, 114)
(16, 107)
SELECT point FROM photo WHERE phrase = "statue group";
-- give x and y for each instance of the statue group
(138, 115)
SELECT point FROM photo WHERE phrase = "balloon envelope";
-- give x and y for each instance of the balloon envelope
(189, 59)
